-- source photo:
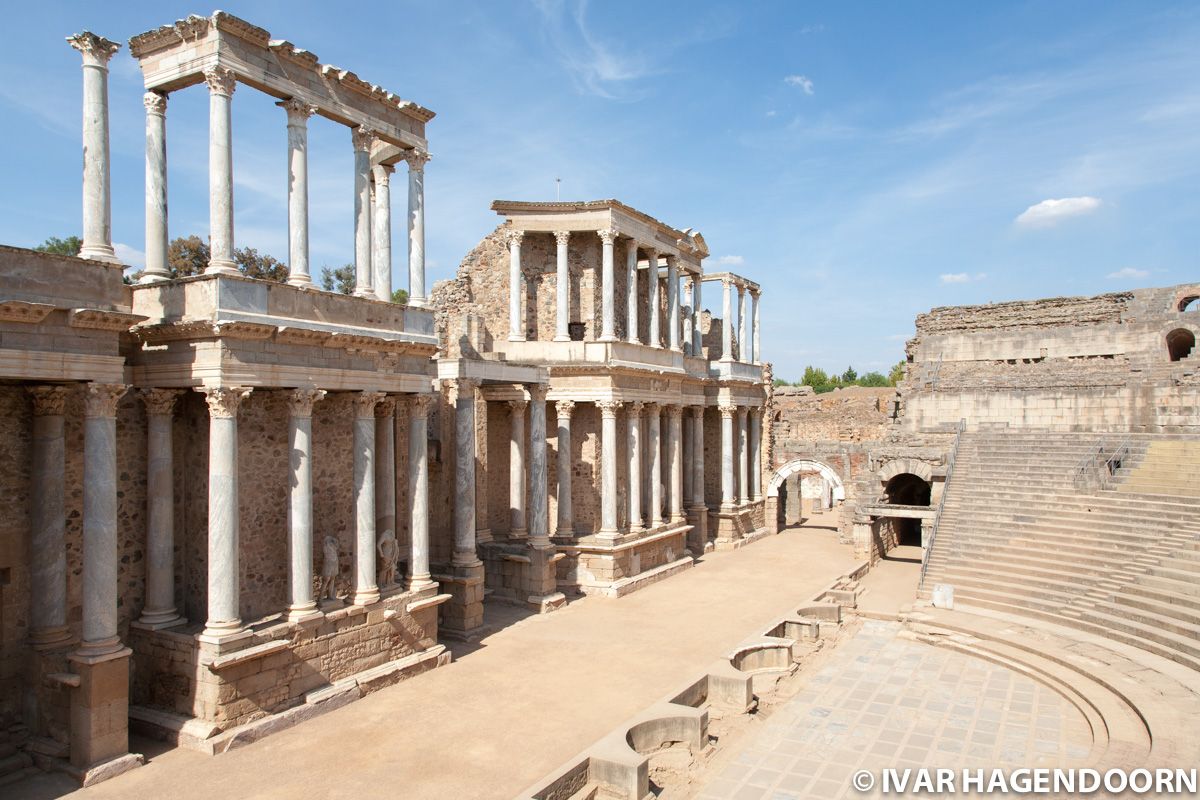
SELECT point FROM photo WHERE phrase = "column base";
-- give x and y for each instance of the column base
(465, 560)
(518, 533)
(99, 252)
(634, 341)
(299, 613)
(158, 622)
(50, 638)
(418, 583)
(301, 281)
(513, 338)
(562, 338)
(608, 338)
(366, 597)
(220, 632)
(99, 649)
(154, 277)
(483, 535)
(221, 268)
(367, 293)
(418, 302)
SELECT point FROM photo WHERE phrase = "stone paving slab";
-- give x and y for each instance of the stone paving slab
(886, 701)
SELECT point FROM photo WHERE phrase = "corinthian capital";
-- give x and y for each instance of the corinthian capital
(418, 405)
(155, 102)
(727, 411)
(160, 402)
(297, 110)
(100, 399)
(608, 235)
(364, 404)
(48, 401)
(564, 409)
(362, 138)
(515, 237)
(562, 237)
(301, 401)
(674, 411)
(609, 408)
(220, 81)
(224, 401)
(635, 410)
(417, 159)
(96, 49)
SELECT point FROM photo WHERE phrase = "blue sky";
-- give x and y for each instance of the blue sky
(863, 162)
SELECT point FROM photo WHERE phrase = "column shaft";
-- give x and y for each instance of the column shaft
(156, 188)
(608, 468)
(755, 416)
(654, 450)
(686, 321)
(223, 518)
(47, 520)
(673, 302)
(697, 460)
(563, 461)
(97, 192)
(634, 425)
(653, 299)
(728, 499)
(608, 330)
(756, 353)
(418, 491)
(101, 578)
(381, 256)
(159, 610)
(675, 441)
(562, 296)
(297, 132)
(516, 328)
(743, 339)
(366, 591)
(300, 511)
(464, 475)
(361, 138)
(697, 306)
(539, 520)
(688, 454)
(726, 321)
(516, 470)
(386, 549)
(417, 159)
(631, 285)
(743, 457)
(221, 83)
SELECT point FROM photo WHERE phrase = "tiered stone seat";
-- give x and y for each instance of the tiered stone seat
(1017, 536)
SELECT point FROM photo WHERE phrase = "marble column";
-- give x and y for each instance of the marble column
(728, 498)
(743, 457)
(673, 302)
(385, 483)
(418, 491)
(301, 603)
(101, 557)
(653, 298)
(97, 189)
(298, 112)
(539, 504)
(417, 159)
(756, 354)
(562, 296)
(697, 306)
(631, 286)
(689, 303)
(156, 188)
(47, 520)
(516, 470)
(755, 416)
(516, 328)
(608, 314)
(608, 468)
(566, 521)
(743, 339)
(366, 591)
(159, 611)
(697, 460)
(634, 425)
(224, 616)
(688, 455)
(221, 83)
(726, 320)
(362, 138)
(381, 235)
(654, 450)
(464, 474)
(675, 441)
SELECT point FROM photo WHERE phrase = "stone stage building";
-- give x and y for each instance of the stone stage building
(234, 503)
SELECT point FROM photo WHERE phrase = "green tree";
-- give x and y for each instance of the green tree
(873, 379)
(897, 373)
(187, 256)
(400, 297)
(265, 267)
(338, 280)
(69, 246)
(849, 377)
(814, 377)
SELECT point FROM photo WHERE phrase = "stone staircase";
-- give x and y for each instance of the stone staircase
(1016, 536)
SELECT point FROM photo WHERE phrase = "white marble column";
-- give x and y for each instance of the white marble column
(697, 460)
(608, 314)
(726, 320)
(608, 468)
(47, 520)
(697, 306)
(516, 328)
(381, 235)
(654, 450)
(688, 302)
(101, 557)
(516, 470)
(566, 521)
(688, 454)
(97, 191)
(539, 504)
(385, 481)
(743, 457)
(673, 302)
(728, 498)
(159, 611)
(418, 491)
(301, 603)
(653, 298)
(743, 340)
(221, 83)
(156, 188)
(562, 295)
(755, 455)
(464, 474)
(298, 112)
(675, 442)
(366, 590)
(631, 286)
(364, 279)
(634, 432)
(417, 159)
(755, 353)
(223, 517)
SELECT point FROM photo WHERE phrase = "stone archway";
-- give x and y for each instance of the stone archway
(780, 475)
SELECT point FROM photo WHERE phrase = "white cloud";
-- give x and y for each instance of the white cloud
(1051, 212)
(962, 277)
(805, 84)
(806, 29)
(771, 113)
(129, 256)
(1129, 272)
(731, 261)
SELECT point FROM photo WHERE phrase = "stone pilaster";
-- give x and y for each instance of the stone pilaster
(418, 491)
(417, 159)
(159, 611)
(301, 603)
(516, 470)
(97, 187)
(364, 278)
(562, 288)
(156, 188)
(608, 468)
(47, 521)
(224, 618)
(566, 523)
(516, 328)
(221, 84)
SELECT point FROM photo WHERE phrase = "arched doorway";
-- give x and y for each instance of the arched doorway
(907, 489)
(785, 490)
(1180, 343)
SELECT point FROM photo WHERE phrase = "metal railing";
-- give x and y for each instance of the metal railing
(937, 515)
(1097, 469)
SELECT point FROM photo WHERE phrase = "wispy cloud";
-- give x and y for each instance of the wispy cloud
(802, 81)
(962, 277)
(1129, 272)
(128, 255)
(731, 261)
(807, 29)
(1049, 213)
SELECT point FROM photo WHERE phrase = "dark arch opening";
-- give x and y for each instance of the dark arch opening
(907, 489)
(1190, 303)
(1180, 343)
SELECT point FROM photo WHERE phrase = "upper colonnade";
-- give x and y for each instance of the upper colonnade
(740, 315)
(222, 51)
